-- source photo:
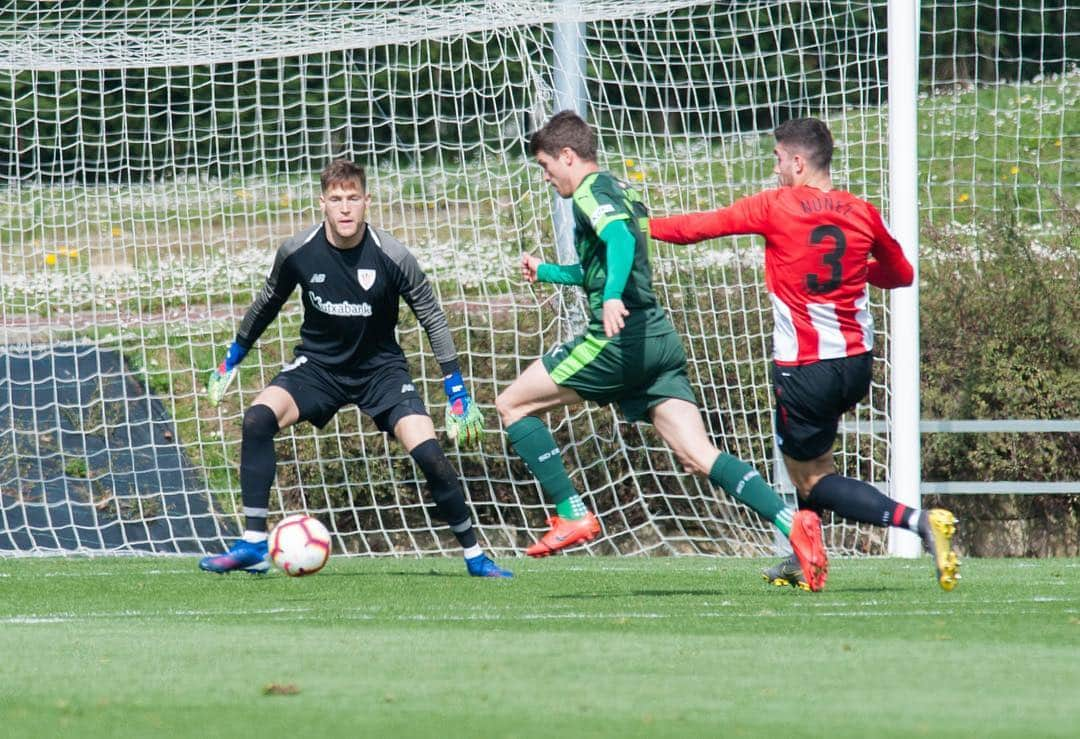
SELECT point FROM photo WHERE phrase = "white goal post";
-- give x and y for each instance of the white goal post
(154, 154)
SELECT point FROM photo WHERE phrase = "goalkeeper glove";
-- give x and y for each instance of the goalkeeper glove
(222, 375)
(464, 421)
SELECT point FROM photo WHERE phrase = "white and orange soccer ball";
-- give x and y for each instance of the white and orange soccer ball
(299, 545)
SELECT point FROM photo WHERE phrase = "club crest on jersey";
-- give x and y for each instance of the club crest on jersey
(366, 278)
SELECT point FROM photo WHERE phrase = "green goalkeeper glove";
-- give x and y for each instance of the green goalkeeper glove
(222, 375)
(464, 422)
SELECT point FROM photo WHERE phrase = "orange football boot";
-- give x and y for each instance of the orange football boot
(564, 532)
(806, 543)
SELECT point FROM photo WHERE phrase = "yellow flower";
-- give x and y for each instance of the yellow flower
(639, 176)
(50, 259)
(73, 253)
(628, 162)
(116, 232)
(1014, 170)
(963, 197)
(1057, 143)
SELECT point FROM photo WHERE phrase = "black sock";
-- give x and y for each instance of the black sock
(258, 465)
(856, 500)
(445, 490)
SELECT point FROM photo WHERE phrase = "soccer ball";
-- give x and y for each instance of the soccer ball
(299, 545)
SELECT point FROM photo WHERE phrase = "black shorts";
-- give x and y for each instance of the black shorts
(810, 398)
(387, 395)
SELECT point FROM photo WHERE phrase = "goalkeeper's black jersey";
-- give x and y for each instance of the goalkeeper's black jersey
(350, 301)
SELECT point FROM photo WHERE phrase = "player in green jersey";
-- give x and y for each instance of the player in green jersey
(629, 355)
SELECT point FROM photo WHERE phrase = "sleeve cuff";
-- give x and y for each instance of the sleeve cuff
(450, 367)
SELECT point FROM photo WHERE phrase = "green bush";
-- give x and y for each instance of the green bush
(1000, 339)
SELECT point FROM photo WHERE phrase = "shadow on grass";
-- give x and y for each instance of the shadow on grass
(639, 594)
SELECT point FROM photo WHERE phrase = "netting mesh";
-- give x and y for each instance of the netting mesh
(153, 156)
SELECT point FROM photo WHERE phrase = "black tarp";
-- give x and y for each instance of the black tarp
(90, 460)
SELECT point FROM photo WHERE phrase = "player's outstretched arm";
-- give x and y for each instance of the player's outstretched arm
(279, 285)
(533, 269)
(464, 422)
(745, 216)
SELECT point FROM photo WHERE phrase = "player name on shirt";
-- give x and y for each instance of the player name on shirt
(824, 203)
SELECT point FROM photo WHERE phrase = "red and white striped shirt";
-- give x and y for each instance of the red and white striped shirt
(818, 246)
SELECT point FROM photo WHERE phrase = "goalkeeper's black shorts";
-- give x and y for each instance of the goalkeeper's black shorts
(810, 398)
(387, 394)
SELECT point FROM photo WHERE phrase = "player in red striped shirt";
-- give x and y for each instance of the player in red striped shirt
(822, 247)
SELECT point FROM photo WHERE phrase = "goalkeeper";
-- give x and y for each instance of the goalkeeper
(351, 277)
(629, 355)
(818, 248)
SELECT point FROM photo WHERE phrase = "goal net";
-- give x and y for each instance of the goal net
(153, 156)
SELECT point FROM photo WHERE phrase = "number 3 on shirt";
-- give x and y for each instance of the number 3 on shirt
(817, 238)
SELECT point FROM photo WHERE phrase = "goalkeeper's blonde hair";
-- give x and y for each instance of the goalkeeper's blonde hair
(342, 172)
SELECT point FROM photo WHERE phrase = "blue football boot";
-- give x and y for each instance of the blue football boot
(243, 555)
(482, 566)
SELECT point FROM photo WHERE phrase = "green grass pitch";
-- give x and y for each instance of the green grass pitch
(572, 647)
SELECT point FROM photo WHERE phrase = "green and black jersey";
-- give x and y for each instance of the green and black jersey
(644, 364)
(600, 200)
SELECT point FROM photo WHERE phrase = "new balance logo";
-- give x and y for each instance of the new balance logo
(408, 387)
(318, 277)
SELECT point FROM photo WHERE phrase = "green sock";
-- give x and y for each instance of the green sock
(533, 442)
(572, 508)
(743, 483)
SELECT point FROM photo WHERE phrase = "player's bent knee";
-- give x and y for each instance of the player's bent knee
(807, 482)
(443, 481)
(509, 411)
(260, 421)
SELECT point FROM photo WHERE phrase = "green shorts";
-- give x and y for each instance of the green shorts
(636, 372)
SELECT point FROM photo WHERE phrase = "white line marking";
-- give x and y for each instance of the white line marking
(373, 615)
(32, 620)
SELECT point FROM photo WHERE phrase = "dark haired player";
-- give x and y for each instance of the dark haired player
(629, 355)
(351, 277)
(822, 247)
